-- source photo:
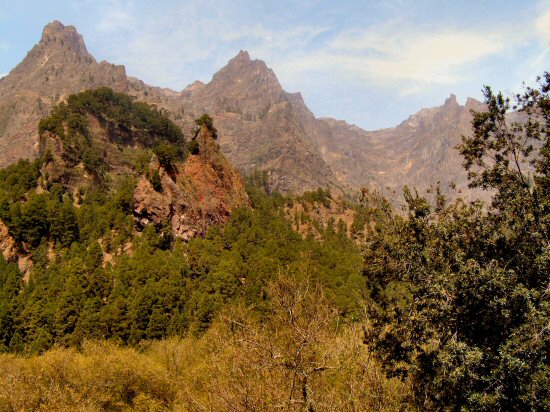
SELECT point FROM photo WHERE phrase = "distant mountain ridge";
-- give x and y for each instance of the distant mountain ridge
(262, 127)
(419, 152)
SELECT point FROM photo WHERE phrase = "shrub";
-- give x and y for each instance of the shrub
(194, 147)
(166, 154)
(206, 121)
(156, 182)
(100, 377)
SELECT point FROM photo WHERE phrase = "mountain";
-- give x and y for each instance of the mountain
(111, 169)
(262, 127)
(260, 124)
(103, 139)
(419, 152)
(57, 66)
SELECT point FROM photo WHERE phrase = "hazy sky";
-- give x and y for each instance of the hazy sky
(372, 63)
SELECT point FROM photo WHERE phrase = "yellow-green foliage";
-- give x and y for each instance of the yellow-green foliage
(296, 357)
(101, 376)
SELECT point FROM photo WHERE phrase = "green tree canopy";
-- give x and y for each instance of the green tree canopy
(459, 299)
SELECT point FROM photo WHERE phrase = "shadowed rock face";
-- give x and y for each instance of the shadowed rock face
(261, 126)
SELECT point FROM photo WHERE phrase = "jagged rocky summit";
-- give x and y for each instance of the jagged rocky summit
(262, 127)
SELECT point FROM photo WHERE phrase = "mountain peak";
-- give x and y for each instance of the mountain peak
(451, 100)
(242, 56)
(472, 103)
(242, 59)
(56, 34)
(54, 27)
(242, 72)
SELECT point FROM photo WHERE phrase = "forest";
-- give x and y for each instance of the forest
(443, 305)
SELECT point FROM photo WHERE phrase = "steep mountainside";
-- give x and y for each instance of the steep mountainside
(111, 169)
(419, 152)
(195, 195)
(262, 127)
(56, 67)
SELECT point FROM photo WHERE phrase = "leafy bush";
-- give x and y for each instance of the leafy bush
(156, 182)
(320, 195)
(17, 179)
(194, 147)
(100, 377)
(120, 109)
(206, 121)
(166, 154)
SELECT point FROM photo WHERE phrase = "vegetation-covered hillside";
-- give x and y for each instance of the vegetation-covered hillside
(284, 306)
(103, 272)
(81, 188)
(130, 124)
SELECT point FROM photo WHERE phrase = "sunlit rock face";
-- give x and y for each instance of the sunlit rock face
(262, 127)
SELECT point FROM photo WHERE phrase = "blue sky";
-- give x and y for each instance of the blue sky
(371, 63)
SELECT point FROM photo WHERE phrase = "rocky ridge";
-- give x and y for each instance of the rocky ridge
(419, 152)
(262, 127)
(56, 67)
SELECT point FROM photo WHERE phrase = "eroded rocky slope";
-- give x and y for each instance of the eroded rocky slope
(262, 127)
(195, 194)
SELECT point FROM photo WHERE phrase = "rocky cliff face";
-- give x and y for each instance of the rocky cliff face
(196, 194)
(262, 127)
(13, 252)
(269, 129)
(419, 152)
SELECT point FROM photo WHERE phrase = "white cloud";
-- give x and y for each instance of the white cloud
(542, 25)
(388, 55)
(535, 64)
(117, 15)
(275, 40)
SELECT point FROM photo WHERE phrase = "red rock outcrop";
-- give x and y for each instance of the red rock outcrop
(13, 252)
(196, 194)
